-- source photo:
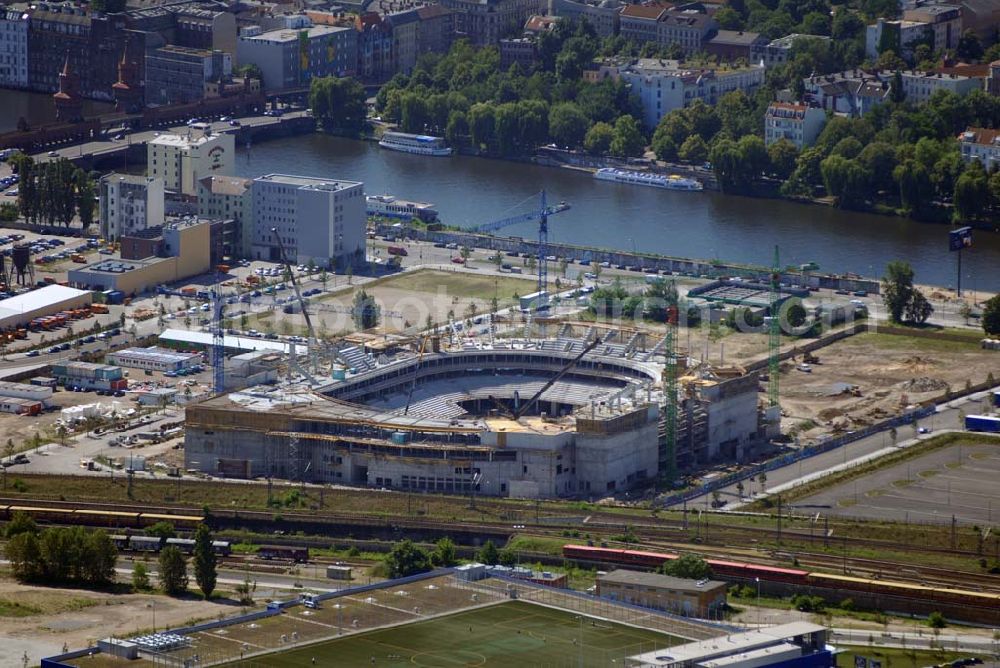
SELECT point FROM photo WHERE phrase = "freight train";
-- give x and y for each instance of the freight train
(156, 543)
(103, 518)
(748, 572)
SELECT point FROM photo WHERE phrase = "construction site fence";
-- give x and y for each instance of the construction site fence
(792, 457)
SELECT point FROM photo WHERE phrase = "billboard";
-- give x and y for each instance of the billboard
(960, 238)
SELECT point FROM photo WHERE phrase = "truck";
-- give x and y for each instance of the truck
(397, 250)
(987, 423)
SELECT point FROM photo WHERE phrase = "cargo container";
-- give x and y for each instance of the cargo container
(986, 423)
(397, 250)
(98, 308)
(534, 300)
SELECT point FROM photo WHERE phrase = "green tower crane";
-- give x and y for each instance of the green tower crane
(668, 446)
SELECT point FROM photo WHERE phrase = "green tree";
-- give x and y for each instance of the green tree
(628, 141)
(204, 561)
(406, 559)
(972, 193)
(660, 299)
(25, 556)
(482, 125)
(488, 554)
(845, 180)
(991, 316)
(173, 571)
(782, 155)
(897, 288)
(688, 566)
(969, 47)
(365, 312)
(20, 523)
(694, 150)
(568, 124)
(918, 309)
(339, 103)
(161, 529)
(598, 138)
(444, 553)
(85, 203)
(458, 127)
(936, 620)
(140, 577)
(508, 557)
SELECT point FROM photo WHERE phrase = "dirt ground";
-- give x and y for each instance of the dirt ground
(75, 618)
(21, 428)
(868, 377)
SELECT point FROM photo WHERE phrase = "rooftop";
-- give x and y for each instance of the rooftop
(704, 651)
(787, 41)
(652, 12)
(283, 35)
(226, 185)
(182, 140)
(307, 182)
(971, 135)
(34, 300)
(155, 353)
(737, 37)
(643, 579)
(185, 50)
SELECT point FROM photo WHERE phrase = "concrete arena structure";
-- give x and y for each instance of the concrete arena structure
(594, 432)
(444, 422)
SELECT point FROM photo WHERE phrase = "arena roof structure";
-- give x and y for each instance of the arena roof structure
(204, 339)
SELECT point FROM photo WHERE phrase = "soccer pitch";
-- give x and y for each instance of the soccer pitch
(515, 633)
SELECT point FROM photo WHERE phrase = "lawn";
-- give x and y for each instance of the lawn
(895, 657)
(509, 634)
(462, 284)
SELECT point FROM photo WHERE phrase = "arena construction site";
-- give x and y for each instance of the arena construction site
(440, 618)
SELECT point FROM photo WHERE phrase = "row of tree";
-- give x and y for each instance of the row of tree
(59, 555)
(407, 558)
(173, 567)
(54, 192)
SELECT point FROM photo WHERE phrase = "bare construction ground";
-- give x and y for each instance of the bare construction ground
(960, 480)
(868, 377)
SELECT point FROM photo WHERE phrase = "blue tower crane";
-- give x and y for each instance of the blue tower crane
(217, 351)
(542, 216)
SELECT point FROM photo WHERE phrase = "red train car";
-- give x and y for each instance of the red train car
(614, 556)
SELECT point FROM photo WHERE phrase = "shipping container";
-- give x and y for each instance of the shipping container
(397, 250)
(986, 423)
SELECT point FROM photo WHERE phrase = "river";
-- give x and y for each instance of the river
(468, 191)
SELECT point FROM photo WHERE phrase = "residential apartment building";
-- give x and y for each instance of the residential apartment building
(798, 123)
(229, 198)
(92, 42)
(855, 92)
(981, 144)
(900, 36)
(689, 28)
(484, 22)
(637, 23)
(322, 220)
(436, 29)
(665, 85)
(777, 52)
(130, 203)
(520, 50)
(195, 25)
(14, 47)
(730, 45)
(291, 58)
(603, 15)
(944, 22)
(178, 74)
(181, 160)
(374, 36)
(405, 27)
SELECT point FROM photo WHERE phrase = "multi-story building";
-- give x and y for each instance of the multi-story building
(944, 21)
(436, 29)
(14, 46)
(637, 23)
(178, 74)
(229, 198)
(93, 43)
(603, 15)
(981, 144)
(920, 86)
(665, 85)
(196, 25)
(855, 92)
(798, 123)
(730, 45)
(484, 22)
(322, 220)
(520, 50)
(374, 36)
(291, 58)
(181, 160)
(777, 52)
(130, 203)
(900, 36)
(405, 26)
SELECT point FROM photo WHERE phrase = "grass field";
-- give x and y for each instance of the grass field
(891, 657)
(509, 634)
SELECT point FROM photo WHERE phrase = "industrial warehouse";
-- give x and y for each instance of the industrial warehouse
(560, 417)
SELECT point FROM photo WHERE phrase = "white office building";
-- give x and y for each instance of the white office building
(130, 203)
(316, 219)
(182, 159)
(665, 85)
(798, 123)
(14, 48)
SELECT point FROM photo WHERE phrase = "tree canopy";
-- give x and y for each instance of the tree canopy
(407, 559)
(689, 566)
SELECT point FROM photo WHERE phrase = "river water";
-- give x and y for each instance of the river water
(468, 191)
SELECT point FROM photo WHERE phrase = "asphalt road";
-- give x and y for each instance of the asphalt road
(946, 417)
